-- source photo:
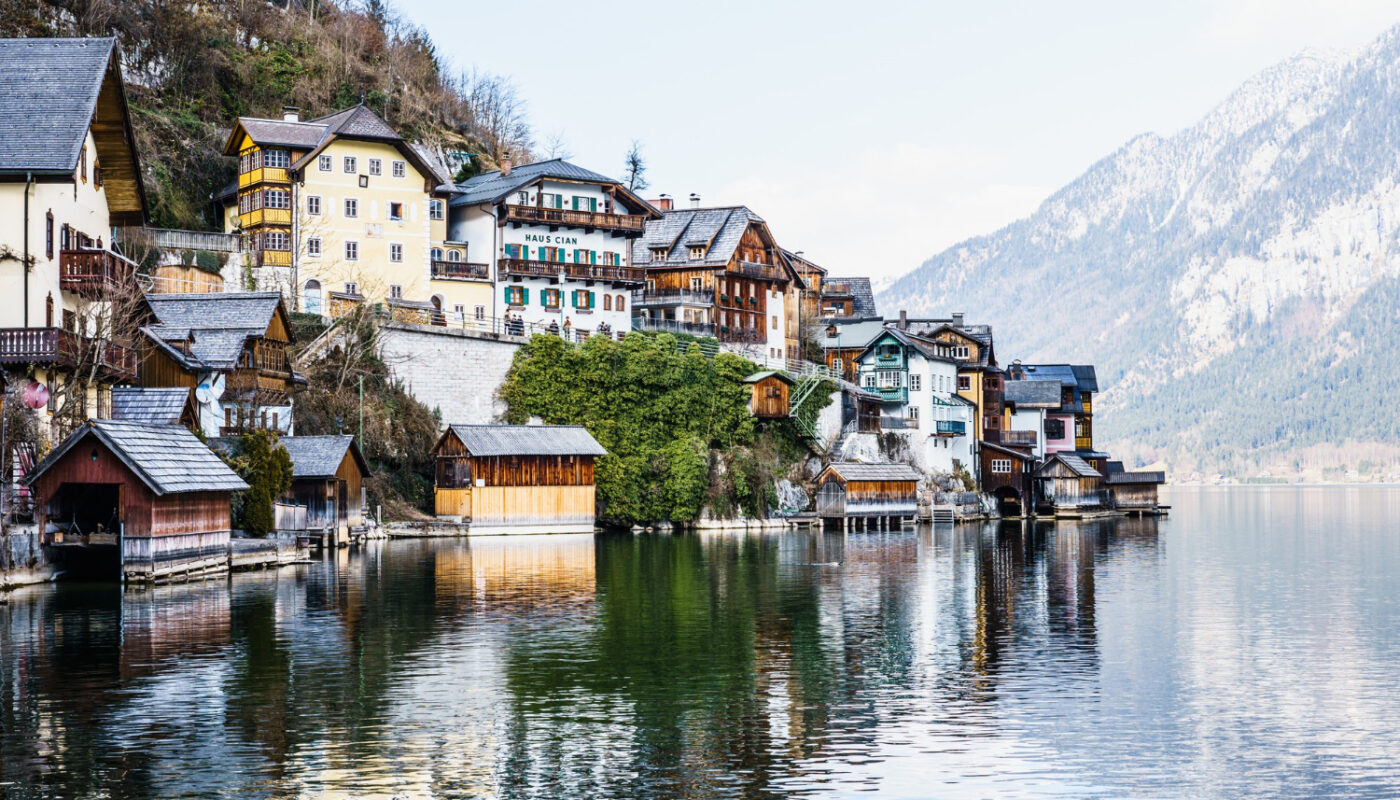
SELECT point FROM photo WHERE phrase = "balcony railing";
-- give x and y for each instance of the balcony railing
(889, 394)
(1083, 443)
(951, 427)
(270, 258)
(197, 240)
(751, 270)
(605, 272)
(672, 297)
(61, 348)
(537, 269)
(537, 215)
(460, 271)
(899, 423)
(1019, 438)
(93, 273)
(673, 326)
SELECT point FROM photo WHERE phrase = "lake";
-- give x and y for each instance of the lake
(1247, 646)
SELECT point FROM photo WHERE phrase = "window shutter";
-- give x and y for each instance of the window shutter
(592, 204)
(558, 201)
(575, 202)
(593, 256)
(525, 296)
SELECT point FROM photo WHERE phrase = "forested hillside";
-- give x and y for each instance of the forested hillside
(191, 68)
(1236, 282)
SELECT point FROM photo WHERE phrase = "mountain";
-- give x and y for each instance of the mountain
(1237, 283)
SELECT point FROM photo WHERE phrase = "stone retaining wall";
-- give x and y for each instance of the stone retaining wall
(452, 370)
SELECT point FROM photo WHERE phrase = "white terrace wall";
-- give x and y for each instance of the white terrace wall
(455, 371)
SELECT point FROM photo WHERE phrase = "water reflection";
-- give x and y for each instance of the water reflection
(1012, 659)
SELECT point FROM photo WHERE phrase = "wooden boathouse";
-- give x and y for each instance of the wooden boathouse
(1007, 475)
(868, 495)
(136, 501)
(770, 394)
(328, 481)
(517, 478)
(1134, 492)
(1067, 484)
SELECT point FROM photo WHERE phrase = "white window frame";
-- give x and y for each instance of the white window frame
(352, 208)
(313, 247)
(352, 250)
(392, 216)
(1001, 466)
(436, 209)
(313, 205)
(396, 291)
(395, 253)
(915, 382)
(352, 288)
(325, 163)
(400, 169)
(350, 165)
(376, 166)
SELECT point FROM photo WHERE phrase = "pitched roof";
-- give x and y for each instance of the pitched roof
(1076, 465)
(300, 135)
(493, 187)
(320, 456)
(718, 229)
(1033, 394)
(167, 458)
(358, 122)
(862, 296)
(1081, 375)
(149, 406)
(924, 347)
(758, 376)
(853, 471)
(1135, 477)
(1010, 451)
(851, 334)
(527, 440)
(219, 323)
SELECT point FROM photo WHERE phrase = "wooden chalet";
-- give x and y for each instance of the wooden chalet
(1067, 483)
(143, 502)
(770, 391)
(873, 493)
(328, 481)
(1008, 474)
(517, 478)
(1134, 492)
(231, 350)
(169, 406)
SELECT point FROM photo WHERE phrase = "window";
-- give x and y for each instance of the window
(868, 380)
(400, 169)
(311, 295)
(376, 166)
(454, 256)
(277, 198)
(396, 211)
(349, 165)
(1054, 429)
(697, 253)
(96, 174)
(276, 240)
(48, 234)
(913, 415)
(964, 383)
(916, 383)
(585, 203)
(396, 291)
(313, 205)
(276, 158)
(517, 295)
(775, 322)
(313, 247)
(82, 163)
(551, 200)
(583, 299)
(890, 378)
(607, 302)
(324, 163)
(436, 209)
(522, 198)
(479, 312)
(551, 298)
(960, 352)
(620, 304)
(352, 251)
(658, 254)
(352, 288)
(396, 253)
(436, 254)
(352, 208)
(1001, 466)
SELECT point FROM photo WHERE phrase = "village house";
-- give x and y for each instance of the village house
(844, 339)
(718, 272)
(870, 495)
(769, 394)
(69, 176)
(1008, 475)
(1067, 484)
(558, 238)
(231, 350)
(1027, 406)
(336, 211)
(812, 276)
(848, 299)
(980, 380)
(328, 483)
(517, 478)
(1070, 426)
(1133, 492)
(143, 502)
(916, 379)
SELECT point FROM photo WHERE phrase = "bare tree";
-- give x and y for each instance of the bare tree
(497, 112)
(554, 147)
(636, 168)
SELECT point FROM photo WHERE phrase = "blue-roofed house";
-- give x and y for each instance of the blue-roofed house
(1069, 427)
(556, 238)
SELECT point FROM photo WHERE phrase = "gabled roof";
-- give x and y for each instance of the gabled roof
(1004, 450)
(1076, 465)
(493, 187)
(1118, 478)
(924, 347)
(150, 406)
(862, 295)
(357, 122)
(52, 92)
(758, 376)
(167, 458)
(526, 440)
(851, 333)
(1082, 376)
(1033, 393)
(852, 471)
(320, 456)
(719, 230)
(217, 324)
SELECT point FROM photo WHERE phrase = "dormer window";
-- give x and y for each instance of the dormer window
(658, 254)
(697, 253)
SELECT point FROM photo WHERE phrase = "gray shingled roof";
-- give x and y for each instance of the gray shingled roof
(1136, 477)
(862, 296)
(48, 95)
(492, 187)
(1033, 394)
(220, 323)
(149, 406)
(676, 231)
(319, 456)
(1077, 465)
(281, 132)
(853, 471)
(527, 440)
(1080, 375)
(358, 122)
(758, 376)
(167, 458)
(852, 333)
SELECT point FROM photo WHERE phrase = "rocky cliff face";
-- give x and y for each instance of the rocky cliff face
(1236, 283)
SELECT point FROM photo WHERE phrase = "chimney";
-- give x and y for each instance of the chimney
(506, 164)
(664, 203)
(291, 114)
(694, 200)
(957, 319)
(903, 320)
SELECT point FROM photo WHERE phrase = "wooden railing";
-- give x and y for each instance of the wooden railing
(751, 270)
(1083, 443)
(117, 359)
(579, 219)
(1021, 438)
(270, 356)
(93, 273)
(642, 323)
(197, 240)
(672, 297)
(605, 272)
(65, 349)
(460, 271)
(521, 266)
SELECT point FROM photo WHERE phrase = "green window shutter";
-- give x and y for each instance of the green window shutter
(507, 295)
(593, 256)
(575, 202)
(558, 201)
(592, 204)
(524, 297)
(590, 299)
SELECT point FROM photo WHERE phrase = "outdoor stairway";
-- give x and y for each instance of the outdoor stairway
(810, 378)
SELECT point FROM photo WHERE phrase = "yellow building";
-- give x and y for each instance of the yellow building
(338, 211)
(69, 175)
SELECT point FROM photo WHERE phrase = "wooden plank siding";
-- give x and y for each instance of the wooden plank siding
(770, 398)
(538, 493)
(837, 498)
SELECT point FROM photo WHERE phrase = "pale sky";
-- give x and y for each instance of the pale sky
(873, 135)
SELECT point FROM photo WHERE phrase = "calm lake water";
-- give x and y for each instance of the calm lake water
(1247, 646)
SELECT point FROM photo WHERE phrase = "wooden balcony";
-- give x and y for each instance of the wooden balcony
(460, 271)
(563, 217)
(1019, 438)
(673, 297)
(748, 269)
(262, 175)
(94, 273)
(270, 258)
(644, 323)
(66, 349)
(530, 269)
(268, 357)
(1083, 443)
(605, 272)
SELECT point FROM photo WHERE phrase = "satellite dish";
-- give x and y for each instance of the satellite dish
(36, 395)
(204, 394)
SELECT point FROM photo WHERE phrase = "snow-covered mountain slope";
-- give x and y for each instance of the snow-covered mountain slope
(1233, 282)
